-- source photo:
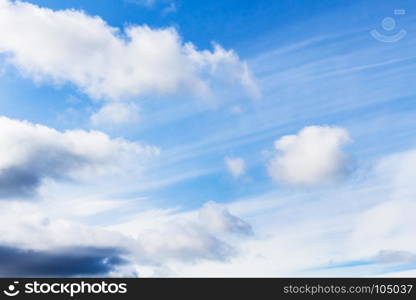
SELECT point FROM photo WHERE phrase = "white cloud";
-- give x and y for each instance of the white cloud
(36, 229)
(31, 153)
(116, 113)
(390, 220)
(166, 236)
(218, 219)
(104, 62)
(399, 170)
(350, 223)
(235, 165)
(312, 156)
(184, 241)
(290, 241)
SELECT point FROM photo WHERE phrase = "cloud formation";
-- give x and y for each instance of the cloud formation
(78, 261)
(30, 153)
(183, 241)
(147, 3)
(105, 62)
(218, 219)
(390, 219)
(208, 234)
(116, 113)
(235, 165)
(399, 170)
(201, 237)
(315, 155)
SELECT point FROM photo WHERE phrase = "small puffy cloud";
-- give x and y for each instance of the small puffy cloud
(217, 218)
(116, 113)
(235, 165)
(105, 62)
(313, 156)
(30, 153)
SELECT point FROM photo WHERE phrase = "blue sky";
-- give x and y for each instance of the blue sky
(210, 138)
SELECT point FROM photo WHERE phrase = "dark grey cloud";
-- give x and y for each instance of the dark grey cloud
(68, 262)
(18, 183)
(23, 181)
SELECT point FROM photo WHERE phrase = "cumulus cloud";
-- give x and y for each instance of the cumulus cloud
(313, 156)
(159, 241)
(105, 62)
(184, 241)
(78, 261)
(30, 153)
(218, 219)
(116, 113)
(36, 242)
(235, 165)
(206, 234)
(191, 240)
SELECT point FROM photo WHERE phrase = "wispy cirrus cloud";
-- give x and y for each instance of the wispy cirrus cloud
(147, 3)
(168, 6)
